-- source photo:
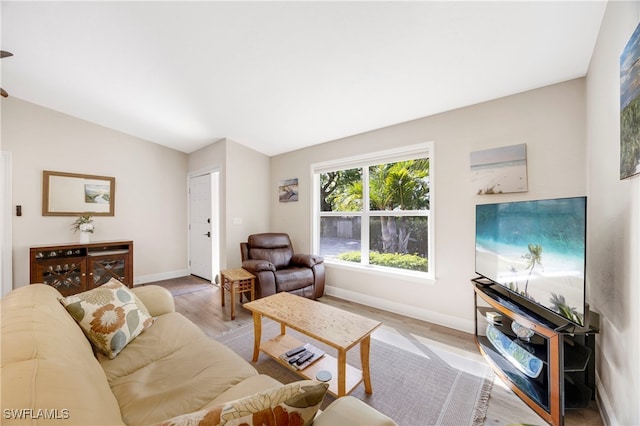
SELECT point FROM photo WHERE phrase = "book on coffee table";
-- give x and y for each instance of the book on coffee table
(303, 356)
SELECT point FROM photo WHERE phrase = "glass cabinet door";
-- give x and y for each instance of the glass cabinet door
(103, 268)
(67, 275)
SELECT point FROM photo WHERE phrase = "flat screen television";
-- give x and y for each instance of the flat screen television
(537, 251)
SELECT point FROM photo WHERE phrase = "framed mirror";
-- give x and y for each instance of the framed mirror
(72, 194)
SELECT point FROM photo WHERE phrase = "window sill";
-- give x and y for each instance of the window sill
(410, 276)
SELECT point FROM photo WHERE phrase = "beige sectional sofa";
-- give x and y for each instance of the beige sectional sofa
(51, 375)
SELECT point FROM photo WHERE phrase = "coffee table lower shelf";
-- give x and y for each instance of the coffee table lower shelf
(284, 342)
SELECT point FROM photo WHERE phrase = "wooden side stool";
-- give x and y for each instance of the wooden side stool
(236, 281)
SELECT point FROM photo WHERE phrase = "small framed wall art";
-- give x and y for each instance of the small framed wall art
(288, 190)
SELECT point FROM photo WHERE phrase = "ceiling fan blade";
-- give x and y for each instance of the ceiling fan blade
(3, 93)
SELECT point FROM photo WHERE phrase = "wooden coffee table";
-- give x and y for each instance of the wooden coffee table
(335, 327)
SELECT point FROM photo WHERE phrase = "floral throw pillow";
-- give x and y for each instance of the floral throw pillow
(111, 316)
(295, 404)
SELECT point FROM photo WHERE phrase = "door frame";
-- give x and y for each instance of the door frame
(6, 216)
(215, 217)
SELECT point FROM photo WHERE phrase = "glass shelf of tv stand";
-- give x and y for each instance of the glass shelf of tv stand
(536, 345)
(576, 357)
(536, 389)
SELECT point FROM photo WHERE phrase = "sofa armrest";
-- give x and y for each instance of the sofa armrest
(158, 300)
(350, 411)
(308, 260)
(257, 265)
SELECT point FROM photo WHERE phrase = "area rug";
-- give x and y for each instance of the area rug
(413, 389)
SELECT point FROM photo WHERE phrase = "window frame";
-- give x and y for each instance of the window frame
(412, 152)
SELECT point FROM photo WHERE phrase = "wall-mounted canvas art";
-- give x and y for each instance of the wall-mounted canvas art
(288, 190)
(630, 107)
(499, 170)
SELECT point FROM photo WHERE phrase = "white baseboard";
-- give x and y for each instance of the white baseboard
(143, 279)
(456, 323)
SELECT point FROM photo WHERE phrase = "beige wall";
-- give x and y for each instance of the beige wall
(150, 204)
(613, 251)
(248, 195)
(244, 193)
(551, 121)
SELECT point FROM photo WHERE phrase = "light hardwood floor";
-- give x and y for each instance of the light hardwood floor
(203, 307)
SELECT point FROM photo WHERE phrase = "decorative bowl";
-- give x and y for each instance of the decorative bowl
(521, 331)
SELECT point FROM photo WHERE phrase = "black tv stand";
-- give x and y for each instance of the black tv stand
(565, 355)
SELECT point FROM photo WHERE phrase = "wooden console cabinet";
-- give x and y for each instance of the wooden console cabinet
(567, 377)
(74, 268)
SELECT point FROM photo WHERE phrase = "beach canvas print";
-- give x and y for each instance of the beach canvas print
(537, 250)
(499, 170)
(630, 107)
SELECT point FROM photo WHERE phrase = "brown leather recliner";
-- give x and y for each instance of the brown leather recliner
(277, 268)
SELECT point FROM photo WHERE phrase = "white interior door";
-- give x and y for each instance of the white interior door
(203, 225)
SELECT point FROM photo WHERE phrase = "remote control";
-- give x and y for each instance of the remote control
(296, 358)
(304, 358)
(294, 351)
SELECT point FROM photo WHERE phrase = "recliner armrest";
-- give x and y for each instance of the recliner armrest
(308, 260)
(256, 265)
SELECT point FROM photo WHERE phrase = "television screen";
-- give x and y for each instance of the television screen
(536, 249)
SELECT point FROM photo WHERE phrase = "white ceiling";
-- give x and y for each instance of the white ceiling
(279, 76)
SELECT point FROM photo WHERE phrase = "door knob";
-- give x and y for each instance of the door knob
(208, 234)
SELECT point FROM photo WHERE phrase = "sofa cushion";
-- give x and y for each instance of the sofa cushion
(110, 315)
(48, 363)
(248, 386)
(293, 404)
(172, 368)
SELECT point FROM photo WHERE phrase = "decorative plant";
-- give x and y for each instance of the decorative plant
(84, 223)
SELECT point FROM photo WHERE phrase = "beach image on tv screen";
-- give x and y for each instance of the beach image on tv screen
(537, 250)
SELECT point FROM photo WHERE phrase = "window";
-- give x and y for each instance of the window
(375, 210)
